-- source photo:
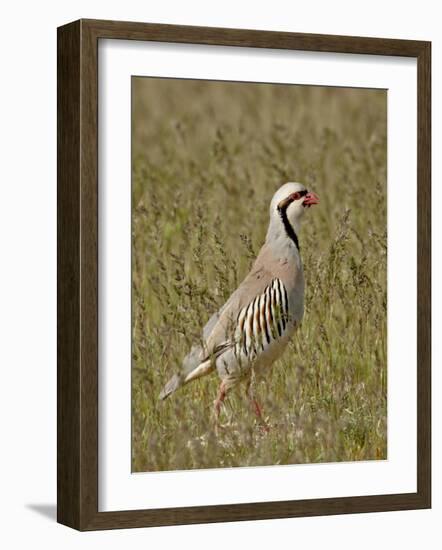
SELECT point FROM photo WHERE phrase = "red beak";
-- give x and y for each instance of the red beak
(311, 198)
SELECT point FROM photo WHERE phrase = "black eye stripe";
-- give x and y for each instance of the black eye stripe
(296, 196)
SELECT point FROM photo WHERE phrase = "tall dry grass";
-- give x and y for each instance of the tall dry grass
(207, 158)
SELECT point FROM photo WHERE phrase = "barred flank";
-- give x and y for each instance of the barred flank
(263, 320)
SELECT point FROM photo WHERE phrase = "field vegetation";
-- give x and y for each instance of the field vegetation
(206, 160)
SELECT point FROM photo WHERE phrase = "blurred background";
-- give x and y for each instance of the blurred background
(206, 160)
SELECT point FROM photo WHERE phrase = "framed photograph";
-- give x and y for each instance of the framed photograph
(243, 274)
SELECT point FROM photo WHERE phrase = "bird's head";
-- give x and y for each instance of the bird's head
(287, 208)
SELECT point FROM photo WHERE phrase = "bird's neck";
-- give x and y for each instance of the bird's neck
(283, 231)
(284, 240)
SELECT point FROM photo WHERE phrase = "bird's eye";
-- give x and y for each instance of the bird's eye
(296, 196)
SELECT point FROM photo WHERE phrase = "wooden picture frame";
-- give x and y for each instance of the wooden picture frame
(77, 462)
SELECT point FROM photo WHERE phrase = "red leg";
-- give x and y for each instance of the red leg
(258, 411)
(222, 392)
(256, 408)
(219, 400)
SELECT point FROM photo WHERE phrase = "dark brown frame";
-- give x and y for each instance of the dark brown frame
(77, 223)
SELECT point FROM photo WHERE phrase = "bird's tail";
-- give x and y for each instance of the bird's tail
(179, 380)
(172, 385)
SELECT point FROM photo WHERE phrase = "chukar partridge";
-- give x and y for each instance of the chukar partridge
(251, 330)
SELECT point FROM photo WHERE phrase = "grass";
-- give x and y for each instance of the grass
(207, 158)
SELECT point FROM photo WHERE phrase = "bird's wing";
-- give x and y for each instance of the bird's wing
(218, 332)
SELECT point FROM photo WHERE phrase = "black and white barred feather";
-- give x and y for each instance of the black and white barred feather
(263, 321)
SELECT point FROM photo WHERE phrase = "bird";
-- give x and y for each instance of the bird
(251, 330)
